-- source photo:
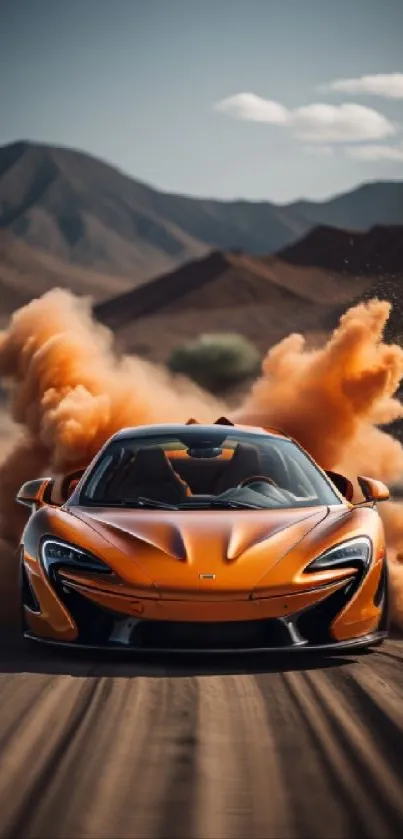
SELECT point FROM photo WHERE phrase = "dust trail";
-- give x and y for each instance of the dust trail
(332, 399)
(69, 392)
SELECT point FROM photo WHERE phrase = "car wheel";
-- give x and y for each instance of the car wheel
(21, 583)
(382, 596)
(383, 592)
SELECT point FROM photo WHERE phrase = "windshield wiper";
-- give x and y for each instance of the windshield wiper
(151, 503)
(142, 501)
(236, 505)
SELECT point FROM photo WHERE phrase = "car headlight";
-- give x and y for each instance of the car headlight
(55, 552)
(354, 552)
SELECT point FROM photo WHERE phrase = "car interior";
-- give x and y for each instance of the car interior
(172, 476)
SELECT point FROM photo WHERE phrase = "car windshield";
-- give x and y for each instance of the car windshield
(195, 470)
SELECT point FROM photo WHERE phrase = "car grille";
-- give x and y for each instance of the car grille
(205, 635)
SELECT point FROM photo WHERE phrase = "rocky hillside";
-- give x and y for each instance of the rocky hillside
(86, 212)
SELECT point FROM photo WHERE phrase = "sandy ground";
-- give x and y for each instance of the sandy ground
(241, 748)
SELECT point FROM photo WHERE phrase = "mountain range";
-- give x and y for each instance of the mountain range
(172, 266)
(84, 212)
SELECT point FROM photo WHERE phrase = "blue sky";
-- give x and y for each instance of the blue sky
(153, 86)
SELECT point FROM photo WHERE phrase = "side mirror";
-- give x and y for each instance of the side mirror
(34, 493)
(342, 484)
(373, 490)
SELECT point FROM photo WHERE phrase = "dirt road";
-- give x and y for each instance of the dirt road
(172, 750)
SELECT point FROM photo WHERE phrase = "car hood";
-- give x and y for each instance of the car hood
(220, 552)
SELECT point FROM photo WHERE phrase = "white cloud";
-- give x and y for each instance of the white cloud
(340, 123)
(371, 152)
(388, 85)
(317, 123)
(248, 106)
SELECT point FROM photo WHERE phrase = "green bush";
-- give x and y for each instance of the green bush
(216, 362)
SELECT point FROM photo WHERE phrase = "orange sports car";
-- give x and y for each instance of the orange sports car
(204, 538)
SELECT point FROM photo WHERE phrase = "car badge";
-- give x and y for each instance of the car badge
(207, 576)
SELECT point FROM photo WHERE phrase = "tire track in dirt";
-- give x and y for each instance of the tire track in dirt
(228, 749)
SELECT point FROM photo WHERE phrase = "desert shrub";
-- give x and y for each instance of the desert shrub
(217, 362)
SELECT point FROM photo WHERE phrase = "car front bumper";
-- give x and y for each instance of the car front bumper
(220, 627)
(373, 639)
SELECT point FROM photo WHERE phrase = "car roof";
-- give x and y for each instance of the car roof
(195, 428)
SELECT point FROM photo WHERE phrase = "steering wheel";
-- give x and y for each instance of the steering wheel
(254, 479)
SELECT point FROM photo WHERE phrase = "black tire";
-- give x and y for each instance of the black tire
(23, 623)
(26, 595)
(384, 598)
(384, 621)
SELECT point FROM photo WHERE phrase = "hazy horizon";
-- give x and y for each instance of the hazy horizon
(196, 196)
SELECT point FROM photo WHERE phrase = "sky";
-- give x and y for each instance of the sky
(256, 99)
